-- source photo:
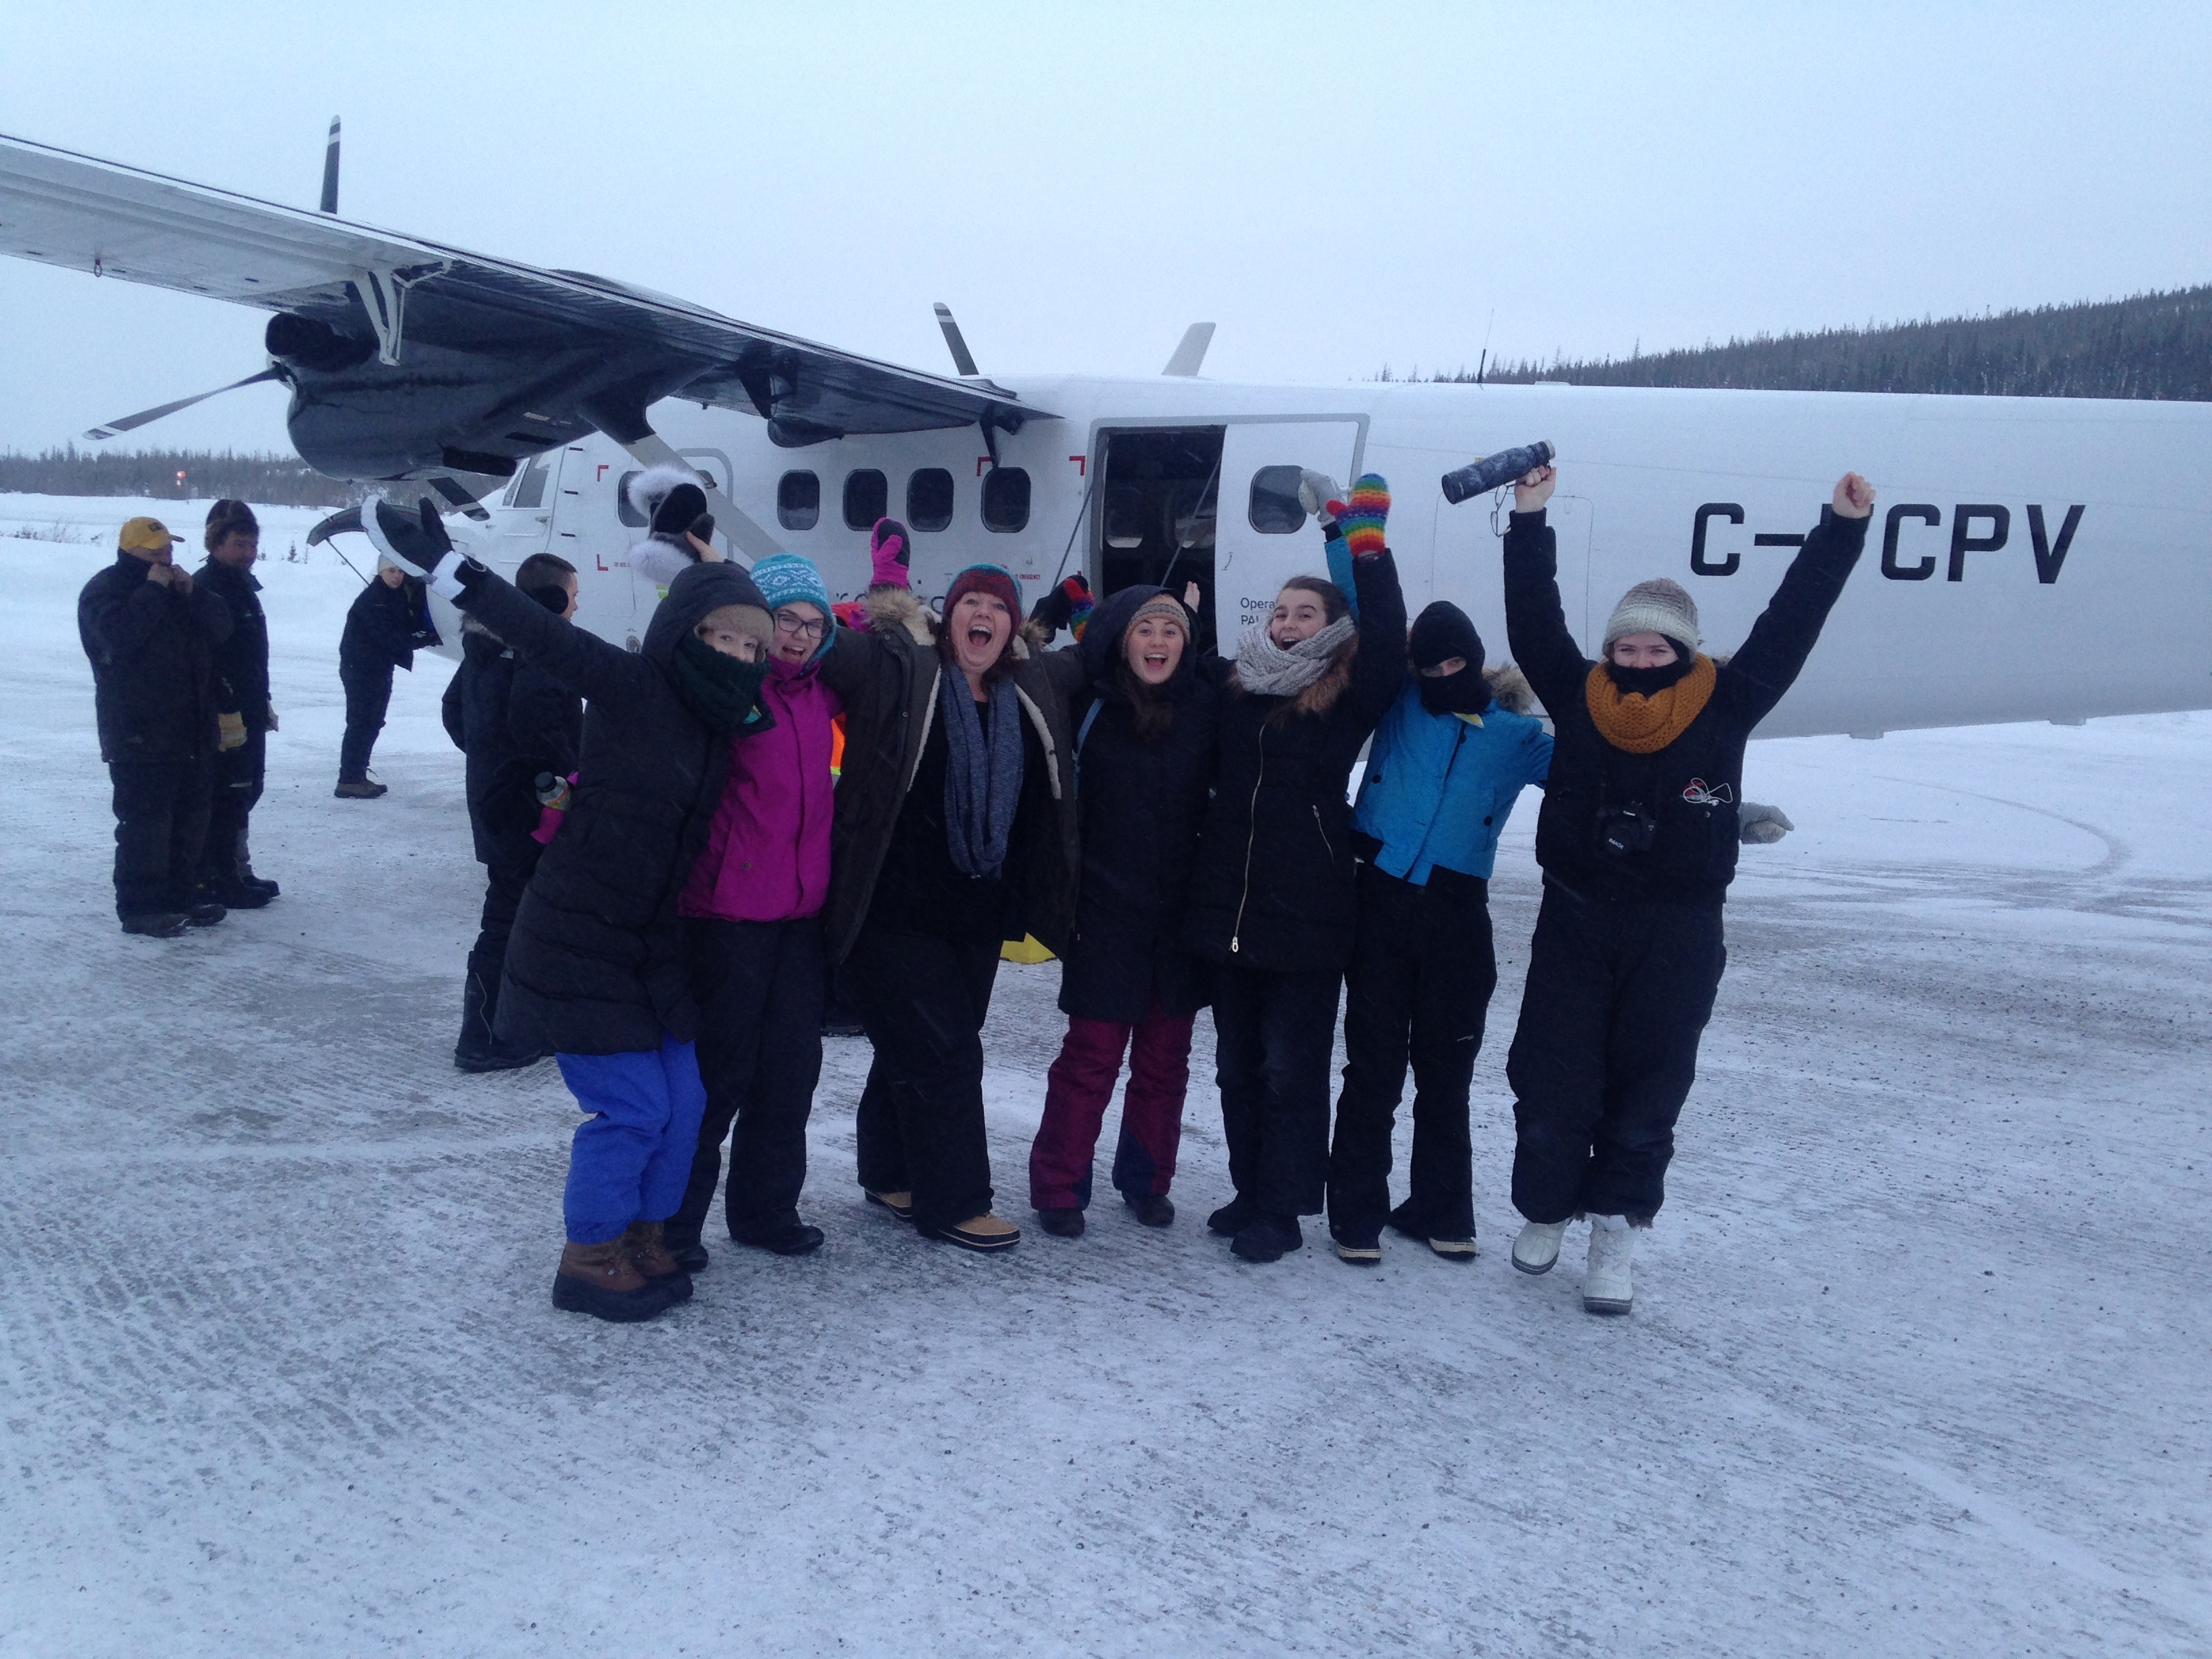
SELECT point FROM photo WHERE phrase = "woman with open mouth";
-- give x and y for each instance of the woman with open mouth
(1272, 899)
(954, 832)
(1143, 756)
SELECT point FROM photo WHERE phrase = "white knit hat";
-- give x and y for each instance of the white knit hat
(1658, 606)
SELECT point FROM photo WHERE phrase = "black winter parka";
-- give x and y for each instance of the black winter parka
(384, 627)
(1691, 788)
(513, 720)
(153, 662)
(888, 676)
(1272, 887)
(595, 964)
(241, 662)
(1141, 804)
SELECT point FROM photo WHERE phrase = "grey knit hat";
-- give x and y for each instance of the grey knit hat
(1658, 606)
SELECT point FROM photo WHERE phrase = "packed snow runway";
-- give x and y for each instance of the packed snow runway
(1918, 1364)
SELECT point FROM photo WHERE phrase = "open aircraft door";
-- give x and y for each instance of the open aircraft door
(1262, 536)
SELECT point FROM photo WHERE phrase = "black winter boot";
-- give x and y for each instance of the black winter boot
(1229, 1219)
(793, 1237)
(157, 924)
(478, 1050)
(1061, 1223)
(1153, 1211)
(1266, 1238)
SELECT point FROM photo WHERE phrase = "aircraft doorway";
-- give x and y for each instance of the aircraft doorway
(1158, 487)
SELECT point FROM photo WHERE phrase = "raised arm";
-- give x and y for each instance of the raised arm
(1773, 653)
(584, 663)
(1535, 622)
(1379, 671)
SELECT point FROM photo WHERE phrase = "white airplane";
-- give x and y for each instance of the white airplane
(2030, 558)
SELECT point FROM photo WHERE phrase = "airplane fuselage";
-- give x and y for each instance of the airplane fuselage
(2029, 559)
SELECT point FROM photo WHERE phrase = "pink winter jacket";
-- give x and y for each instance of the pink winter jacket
(767, 857)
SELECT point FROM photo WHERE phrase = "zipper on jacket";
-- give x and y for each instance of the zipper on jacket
(1251, 831)
(1325, 840)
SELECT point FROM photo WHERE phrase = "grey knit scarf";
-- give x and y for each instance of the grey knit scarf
(1267, 670)
(982, 775)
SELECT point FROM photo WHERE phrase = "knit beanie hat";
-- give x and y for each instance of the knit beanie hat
(783, 577)
(229, 518)
(1363, 517)
(991, 579)
(1441, 632)
(1658, 606)
(890, 551)
(1162, 604)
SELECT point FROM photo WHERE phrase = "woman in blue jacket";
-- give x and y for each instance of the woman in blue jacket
(1447, 762)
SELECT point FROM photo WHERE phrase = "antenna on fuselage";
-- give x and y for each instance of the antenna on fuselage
(962, 360)
(330, 170)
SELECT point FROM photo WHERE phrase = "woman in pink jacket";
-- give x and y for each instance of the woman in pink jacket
(753, 939)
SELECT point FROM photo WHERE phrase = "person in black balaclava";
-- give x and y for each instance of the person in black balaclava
(594, 968)
(1447, 762)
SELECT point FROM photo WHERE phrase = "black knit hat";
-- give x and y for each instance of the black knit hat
(1441, 632)
(229, 518)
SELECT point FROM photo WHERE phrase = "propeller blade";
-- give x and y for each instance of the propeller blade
(144, 417)
(330, 170)
(962, 360)
(461, 497)
(1192, 352)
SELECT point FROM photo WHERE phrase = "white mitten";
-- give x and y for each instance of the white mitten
(1761, 826)
(1315, 491)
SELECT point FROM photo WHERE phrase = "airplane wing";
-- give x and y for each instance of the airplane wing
(72, 211)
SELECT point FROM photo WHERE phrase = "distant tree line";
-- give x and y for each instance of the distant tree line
(2152, 345)
(269, 480)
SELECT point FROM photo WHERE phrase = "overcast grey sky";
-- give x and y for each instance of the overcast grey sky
(1338, 186)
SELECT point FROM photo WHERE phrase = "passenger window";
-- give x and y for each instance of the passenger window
(530, 488)
(867, 498)
(929, 499)
(629, 515)
(1005, 500)
(1274, 508)
(799, 500)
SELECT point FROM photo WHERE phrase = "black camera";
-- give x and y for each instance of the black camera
(1624, 830)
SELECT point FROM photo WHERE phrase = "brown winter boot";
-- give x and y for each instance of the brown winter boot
(599, 1280)
(648, 1253)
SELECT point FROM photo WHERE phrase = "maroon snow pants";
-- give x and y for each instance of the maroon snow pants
(1079, 1087)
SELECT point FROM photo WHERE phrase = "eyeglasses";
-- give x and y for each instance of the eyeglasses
(790, 621)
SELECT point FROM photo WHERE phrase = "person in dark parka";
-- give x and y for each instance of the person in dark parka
(387, 624)
(595, 968)
(244, 715)
(1271, 896)
(1145, 740)
(937, 859)
(151, 633)
(1637, 839)
(516, 723)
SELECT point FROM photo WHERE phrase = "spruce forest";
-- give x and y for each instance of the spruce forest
(2153, 345)
(269, 480)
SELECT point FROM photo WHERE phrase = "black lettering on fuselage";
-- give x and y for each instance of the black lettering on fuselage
(1890, 568)
(1699, 564)
(1962, 543)
(2048, 557)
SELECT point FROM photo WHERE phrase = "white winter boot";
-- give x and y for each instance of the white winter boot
(1606, 1287)
(1537, 1246)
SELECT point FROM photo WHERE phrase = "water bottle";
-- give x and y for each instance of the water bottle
(1488, 472)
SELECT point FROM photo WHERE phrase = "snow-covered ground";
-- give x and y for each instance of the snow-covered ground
(1918, 1363)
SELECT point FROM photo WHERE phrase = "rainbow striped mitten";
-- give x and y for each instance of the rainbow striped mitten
(1363, 517)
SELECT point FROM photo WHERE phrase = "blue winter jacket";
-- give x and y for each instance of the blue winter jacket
(1439, 787)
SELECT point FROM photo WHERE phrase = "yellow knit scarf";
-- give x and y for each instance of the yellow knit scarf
(1644, 726)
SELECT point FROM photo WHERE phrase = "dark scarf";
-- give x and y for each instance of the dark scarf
(1650, 682)
(722, 691)
(982, 775)
(1464, 693)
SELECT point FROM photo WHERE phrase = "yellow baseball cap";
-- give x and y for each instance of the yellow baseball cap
(145, 536)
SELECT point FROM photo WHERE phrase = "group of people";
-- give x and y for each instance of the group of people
(686, 844)
(773, 785)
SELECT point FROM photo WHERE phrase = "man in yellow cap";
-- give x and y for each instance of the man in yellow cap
(151, 633)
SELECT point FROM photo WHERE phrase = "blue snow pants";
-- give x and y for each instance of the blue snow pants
(632, 1156)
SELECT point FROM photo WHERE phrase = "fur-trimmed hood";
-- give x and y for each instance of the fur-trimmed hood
(890, 608)
(1509, 689)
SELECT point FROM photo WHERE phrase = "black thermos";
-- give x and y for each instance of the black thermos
(1488, 472)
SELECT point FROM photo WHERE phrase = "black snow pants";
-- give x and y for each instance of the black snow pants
(234, 788)
(758, 985)
(920, 1127)
(1422, 973)
(1619, 994)
(504, 886)
(368, 695)
(1273, 1035)
(161, 827)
